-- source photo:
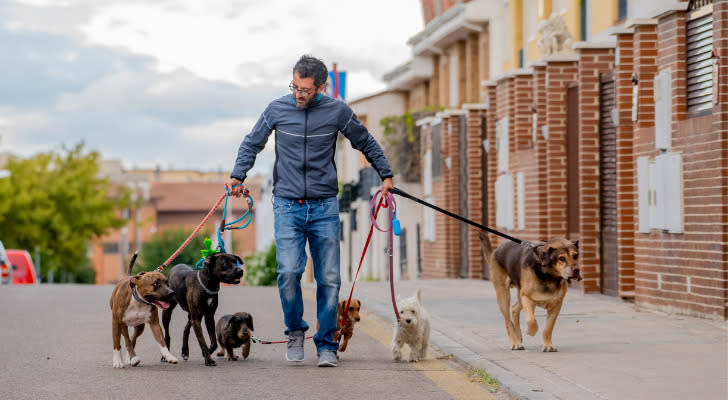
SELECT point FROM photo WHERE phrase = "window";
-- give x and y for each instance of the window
(436, 152)
(111, 248)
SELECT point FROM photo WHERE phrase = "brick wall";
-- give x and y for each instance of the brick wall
(592, 62)
(720, 124)
(626, 178)
(559, 75)
(476, 192)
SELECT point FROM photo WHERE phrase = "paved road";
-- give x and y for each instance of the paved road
(55, 343)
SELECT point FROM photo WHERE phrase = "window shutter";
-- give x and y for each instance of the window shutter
(521, 196)
(502, 142)
(643, 195)
(663, 110)
(699, 44)
(670, 191)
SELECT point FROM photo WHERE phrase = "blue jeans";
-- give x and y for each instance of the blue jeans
(315, 221)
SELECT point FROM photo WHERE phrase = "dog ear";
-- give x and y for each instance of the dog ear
(419, 296)
(249, 321)
(135, 279)
(576, 244)
(238, 260)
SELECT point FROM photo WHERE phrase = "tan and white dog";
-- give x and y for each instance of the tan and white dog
(412, 329)
(134, 303)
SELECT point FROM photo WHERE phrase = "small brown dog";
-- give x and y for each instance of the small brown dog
(234, 331)
(541, 273)
(352, 317)
(134, 302)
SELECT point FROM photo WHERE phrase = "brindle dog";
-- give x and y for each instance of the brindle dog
(196, 292)
(541, 273)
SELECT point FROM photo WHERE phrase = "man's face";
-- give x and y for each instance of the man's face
(303, 90)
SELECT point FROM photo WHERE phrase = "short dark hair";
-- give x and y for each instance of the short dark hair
(311, 67)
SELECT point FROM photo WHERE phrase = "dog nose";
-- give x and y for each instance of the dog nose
(408, 320)
(358, 319)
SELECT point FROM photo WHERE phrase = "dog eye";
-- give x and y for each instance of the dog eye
(562, 259)
(576, 256)
(156, 284)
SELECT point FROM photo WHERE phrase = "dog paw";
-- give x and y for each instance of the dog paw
(549, 349)
(172, 359)
(117, 364)
(233, 358)
(518, 346)
(413, 358)
(134, 361)
(210, 363)
(397, 356)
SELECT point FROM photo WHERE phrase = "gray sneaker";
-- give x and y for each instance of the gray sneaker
(327, 358)
(295, 346)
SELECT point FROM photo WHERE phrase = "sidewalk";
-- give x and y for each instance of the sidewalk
(608, 349)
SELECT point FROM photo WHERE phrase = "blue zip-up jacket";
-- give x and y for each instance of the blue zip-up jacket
(305, 146)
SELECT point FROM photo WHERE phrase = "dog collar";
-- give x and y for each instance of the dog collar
(208, 291)
(139, 298)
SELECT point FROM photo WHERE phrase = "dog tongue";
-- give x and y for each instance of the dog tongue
(162, 304)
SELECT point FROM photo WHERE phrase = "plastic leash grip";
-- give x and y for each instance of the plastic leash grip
(396, 228)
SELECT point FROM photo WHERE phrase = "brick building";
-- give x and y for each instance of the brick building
(610, 128)
(169, 200)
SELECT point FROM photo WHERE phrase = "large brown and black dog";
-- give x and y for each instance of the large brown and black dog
(134, 302)
(196, 292)
(541, 273)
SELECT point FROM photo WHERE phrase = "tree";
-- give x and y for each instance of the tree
(261, 268)
(57, 201)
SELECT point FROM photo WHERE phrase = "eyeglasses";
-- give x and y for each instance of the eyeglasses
(305, 92)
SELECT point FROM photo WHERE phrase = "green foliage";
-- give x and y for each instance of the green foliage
(401, 144)
(162, 245)
(482, 376)
(56, 201)
(261, 268)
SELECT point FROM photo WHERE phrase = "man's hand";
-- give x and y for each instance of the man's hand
(386, 185)
(232, 189)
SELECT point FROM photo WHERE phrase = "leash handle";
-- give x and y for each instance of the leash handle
(448, 213)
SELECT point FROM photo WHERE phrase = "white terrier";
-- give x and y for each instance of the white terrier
(412, 329)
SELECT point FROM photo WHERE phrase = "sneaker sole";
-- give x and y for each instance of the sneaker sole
(327, 364)
(297, 360)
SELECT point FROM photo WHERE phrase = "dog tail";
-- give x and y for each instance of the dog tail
(485, 246)
(131, 263)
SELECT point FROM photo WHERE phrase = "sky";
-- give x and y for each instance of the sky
(178, 83)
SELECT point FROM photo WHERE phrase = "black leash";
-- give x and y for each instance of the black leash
(467, 221)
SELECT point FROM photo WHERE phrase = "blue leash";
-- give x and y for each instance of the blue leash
(229, 225)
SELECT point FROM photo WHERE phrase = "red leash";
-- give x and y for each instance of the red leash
(389, 203)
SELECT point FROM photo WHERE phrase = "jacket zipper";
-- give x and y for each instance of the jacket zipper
(305, 147)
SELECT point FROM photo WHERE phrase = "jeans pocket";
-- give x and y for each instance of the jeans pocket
(281, 205)
(330, 206)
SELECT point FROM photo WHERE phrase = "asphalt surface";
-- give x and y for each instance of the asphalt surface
(55, 343)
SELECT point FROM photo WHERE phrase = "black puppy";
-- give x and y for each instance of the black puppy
(234, 331)
(196, 292)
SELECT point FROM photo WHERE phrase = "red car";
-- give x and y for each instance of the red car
(23, 268)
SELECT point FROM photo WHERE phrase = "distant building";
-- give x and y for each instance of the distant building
(170, 199)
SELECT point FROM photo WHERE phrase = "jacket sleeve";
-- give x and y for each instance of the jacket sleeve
(363, 141)
(252, 144)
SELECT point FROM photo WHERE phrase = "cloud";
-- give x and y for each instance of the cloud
(175, 82)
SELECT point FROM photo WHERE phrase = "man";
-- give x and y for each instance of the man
(305, 186)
